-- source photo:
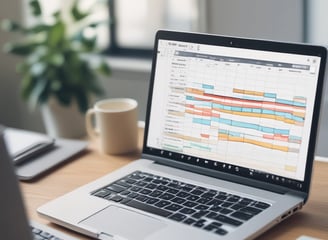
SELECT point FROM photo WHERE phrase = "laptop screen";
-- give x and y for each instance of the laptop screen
(228, 106)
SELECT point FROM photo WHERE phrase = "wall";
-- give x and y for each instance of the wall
(276, 20)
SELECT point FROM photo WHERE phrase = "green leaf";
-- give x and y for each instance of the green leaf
(39, 92)
(104, 68)
(38, 69)
(35, 8)
(56, 34)
(10, 26)
(82, 101)
(57, 59)
(89, 44)
(64, 96)
(56, 85)
(37, 29)
(56, 14)
(27, 86)
(22, 49)
(76, 13)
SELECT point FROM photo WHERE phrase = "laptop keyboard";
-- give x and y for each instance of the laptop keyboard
(212, 210)
(39, 234)
(43, 232)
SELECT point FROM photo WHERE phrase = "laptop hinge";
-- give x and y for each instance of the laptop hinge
(221, 175)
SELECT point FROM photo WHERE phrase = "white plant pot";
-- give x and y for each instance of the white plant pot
(63, 121)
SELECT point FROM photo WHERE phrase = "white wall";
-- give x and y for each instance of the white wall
(279, 20)
(276, 20)
(13, 111)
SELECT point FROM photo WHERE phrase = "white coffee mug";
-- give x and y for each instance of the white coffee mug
(115, 125)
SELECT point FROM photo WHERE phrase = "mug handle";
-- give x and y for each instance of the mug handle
(88, 121)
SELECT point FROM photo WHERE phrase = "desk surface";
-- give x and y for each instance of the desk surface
(312, 220)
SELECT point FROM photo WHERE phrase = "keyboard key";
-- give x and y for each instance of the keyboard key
(201, 207)
(151, 186)
(162, 188)
(142, 198)
(156, 193)
(228, 220)
(189, 221)
(141, 183)
(211, 227)
(173, 191)
(190, 204)
(116, 198)
(211, 215)
(192, 198)
(242, 215)
(216, 208)
(221, 231)
(116, 188)
(215, 202)
(226, 204)
(183, 194)
(131, 181)
(173, 207)
(166, 196)
(123, 184)
(200, 223)
(135, 189)
(200, 214)
(187, 211)
(162, 204)
(148, 208)
(46, 235)
(251, 210)
(261, 205)
(226, 211)
(233, 198)
(152, 200)
(102, 193)
(209, 195)
(237, 206)
(221, 197)
(133, 195)
(136, 175)
(178, 217)
(178, 200)
(125, 193)
(145, 191)
(203, 200)
(197, 192)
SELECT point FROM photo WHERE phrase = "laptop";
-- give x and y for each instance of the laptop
(13, 220)
(228, 148)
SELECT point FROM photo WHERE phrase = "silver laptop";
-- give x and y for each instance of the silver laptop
(14, 224)
(228, 148)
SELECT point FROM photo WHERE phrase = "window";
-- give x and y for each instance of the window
(99, 13)
(134, 23)
(316, 21)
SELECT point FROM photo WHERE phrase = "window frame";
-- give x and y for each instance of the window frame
(114, 49)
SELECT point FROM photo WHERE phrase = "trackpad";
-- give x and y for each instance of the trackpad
(123, 223)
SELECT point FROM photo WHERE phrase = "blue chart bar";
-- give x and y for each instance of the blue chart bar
(240, 124)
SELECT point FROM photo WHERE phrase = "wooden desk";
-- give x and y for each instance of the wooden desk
(312, 220)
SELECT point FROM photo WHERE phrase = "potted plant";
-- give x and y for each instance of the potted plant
(55, 68)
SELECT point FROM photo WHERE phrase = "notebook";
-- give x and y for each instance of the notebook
(13, 220)
(228, 148)
(36, 154)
